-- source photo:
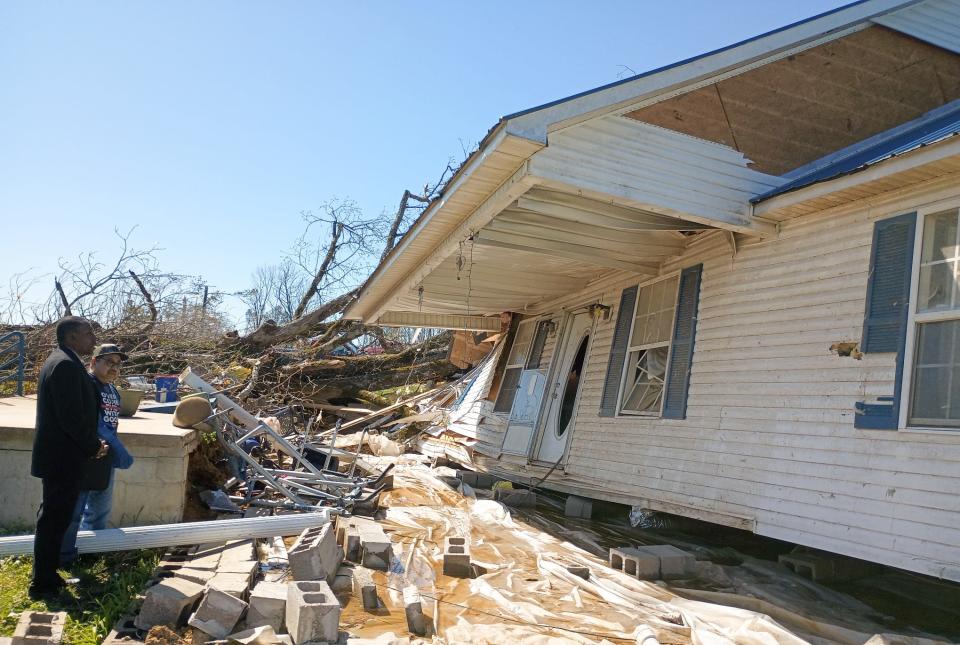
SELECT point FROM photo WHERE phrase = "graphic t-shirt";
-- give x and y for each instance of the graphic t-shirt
(109, 411)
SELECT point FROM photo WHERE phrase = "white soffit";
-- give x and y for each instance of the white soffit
(933, 21)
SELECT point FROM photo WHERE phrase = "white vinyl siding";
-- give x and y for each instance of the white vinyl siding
(769, 442)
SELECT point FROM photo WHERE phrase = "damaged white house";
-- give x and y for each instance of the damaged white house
(734, 283)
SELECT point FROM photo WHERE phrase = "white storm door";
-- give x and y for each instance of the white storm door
(564, 390)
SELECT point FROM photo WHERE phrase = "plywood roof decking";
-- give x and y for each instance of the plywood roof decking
(793, 111)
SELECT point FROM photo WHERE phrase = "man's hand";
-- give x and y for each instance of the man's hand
(104, 447)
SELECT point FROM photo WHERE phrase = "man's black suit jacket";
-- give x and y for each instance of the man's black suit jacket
(67, 408)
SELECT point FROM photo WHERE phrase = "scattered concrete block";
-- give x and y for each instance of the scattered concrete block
(364, 588)
(827, 567)
(636, 563)
(218, 613)
(674, 562)
(169, 602)
(375, 547)
(413, 608)
(516, 498)
(268, 605)
(456, 557)
(316, 555)
(235, 584)
(39, 628)
(580, 507)
(124, 632)
(343, 581)
(200, 576)
(579, 570)
(351, 544)
(476, 480)
(238, 557)
(264, 635)
(312, 612)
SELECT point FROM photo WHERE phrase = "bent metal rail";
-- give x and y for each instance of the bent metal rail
(12, 353)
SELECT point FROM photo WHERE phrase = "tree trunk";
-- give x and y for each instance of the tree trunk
(270, 333)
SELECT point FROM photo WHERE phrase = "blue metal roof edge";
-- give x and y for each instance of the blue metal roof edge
(934, 126)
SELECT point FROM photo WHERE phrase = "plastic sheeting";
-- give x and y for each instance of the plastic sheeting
(527, 597)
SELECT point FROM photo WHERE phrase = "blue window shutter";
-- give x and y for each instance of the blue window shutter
(681, 349)
(618, 353)
(887, 312)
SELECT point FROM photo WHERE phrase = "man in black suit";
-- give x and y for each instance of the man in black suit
(65, 441)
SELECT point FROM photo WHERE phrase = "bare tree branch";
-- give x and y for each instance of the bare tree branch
(63, 298)
(336, 230)
(269, 333)
(153, 307)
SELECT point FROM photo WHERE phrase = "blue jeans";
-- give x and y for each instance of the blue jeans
(90, 514)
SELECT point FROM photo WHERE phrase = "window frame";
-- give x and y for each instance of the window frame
(621, 412)
(915, 319)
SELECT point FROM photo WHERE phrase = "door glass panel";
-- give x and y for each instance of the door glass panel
(571, 387)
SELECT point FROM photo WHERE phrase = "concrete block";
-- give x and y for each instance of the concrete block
(235, 584)
(364, 588)
(477, 480)
(343, 581)
(579, 507)
(826, 567)
(124, 632)
(351, 544)
(636, 563)
(238, 557)
(375, 547)
(169, 602)
(200, 576)
(456, 557)
(515, 498)
(674, 562)
(39, 628)
(312, 612)
(203, 563)
(218, 613)
(316, 555)
(413, 608)
(268, 605)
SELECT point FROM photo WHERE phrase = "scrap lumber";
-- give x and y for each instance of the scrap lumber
(390, 408)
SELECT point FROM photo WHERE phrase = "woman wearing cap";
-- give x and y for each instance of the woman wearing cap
(93, 506)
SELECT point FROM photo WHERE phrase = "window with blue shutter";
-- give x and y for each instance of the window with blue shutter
(653, 348)
(887, 312)
(684, 334)
(609, 401)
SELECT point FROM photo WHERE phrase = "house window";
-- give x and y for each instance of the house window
(648, 353)
(935, 398)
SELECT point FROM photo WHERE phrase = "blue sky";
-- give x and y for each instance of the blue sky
(212, 125)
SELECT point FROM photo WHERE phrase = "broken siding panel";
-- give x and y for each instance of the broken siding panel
(769, 430)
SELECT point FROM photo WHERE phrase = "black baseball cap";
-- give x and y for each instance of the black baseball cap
(108, 348)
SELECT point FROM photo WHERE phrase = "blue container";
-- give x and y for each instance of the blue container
(167, 388)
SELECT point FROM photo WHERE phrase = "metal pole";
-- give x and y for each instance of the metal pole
(149, 537)
(333, 444)
(356, 457)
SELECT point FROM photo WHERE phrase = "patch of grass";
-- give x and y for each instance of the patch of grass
(108, 586)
